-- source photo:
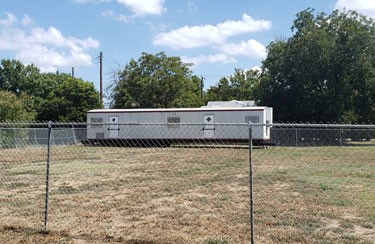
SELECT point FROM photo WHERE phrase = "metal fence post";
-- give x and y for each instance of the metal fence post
(296, 137)
(341, 139)
(47, 176)
(251, 184)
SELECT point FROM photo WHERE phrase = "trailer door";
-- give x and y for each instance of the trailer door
(209, 125)
(113, 127)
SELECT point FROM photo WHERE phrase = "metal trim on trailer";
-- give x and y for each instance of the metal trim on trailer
(158, 110)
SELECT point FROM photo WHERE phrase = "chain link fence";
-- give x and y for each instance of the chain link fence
(317, 185)
(308, 184)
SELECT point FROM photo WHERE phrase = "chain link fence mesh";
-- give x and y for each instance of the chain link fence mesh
(311, 184)
(317, 185)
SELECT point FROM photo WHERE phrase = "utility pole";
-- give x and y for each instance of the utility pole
(101, 77)
(73, 72)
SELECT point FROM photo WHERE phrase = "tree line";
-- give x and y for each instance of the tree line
(26, 94)
(324, 72)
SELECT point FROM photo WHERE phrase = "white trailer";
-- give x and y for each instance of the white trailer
(179, 124)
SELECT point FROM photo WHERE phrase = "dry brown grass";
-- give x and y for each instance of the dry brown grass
(188, 195)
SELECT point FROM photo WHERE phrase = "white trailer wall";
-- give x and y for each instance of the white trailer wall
(179, 129)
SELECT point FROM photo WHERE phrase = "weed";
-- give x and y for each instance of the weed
(324, 186)
(66, 190)
(346, 224)
(368, 225)
(216, 241)
(14, 185)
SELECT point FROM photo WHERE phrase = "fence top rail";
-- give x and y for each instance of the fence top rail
(333, 126)
(9, 124)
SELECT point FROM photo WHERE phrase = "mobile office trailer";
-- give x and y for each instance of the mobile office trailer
(166, 126)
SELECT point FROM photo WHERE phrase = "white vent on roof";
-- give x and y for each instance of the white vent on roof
(229, 104)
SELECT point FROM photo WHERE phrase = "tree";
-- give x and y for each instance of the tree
(221, 92)
(155, 81)
(27, 80)
(324, 72)
(70, 101)
(16, 77)
(239, 86)
(46, 96)
(13, 108)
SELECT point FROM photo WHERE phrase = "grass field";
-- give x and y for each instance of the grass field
(188, 195)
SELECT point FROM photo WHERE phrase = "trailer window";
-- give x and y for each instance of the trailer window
(252, 119)
(173, 121)
(96, 122)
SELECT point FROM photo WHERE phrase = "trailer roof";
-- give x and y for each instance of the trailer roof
(150, 110)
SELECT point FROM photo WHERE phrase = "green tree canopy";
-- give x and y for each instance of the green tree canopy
(13, 108)
(325, 72)
(155, 81)
(70, 101)
(18, 78)
(46, 96)
(239, 86)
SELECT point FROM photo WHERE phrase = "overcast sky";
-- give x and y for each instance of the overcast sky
(217, 36)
